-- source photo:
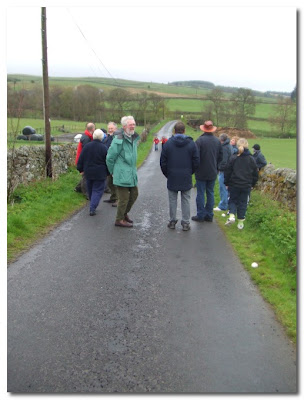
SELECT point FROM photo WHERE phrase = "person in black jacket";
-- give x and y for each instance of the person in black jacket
(227, 153)
(92, 162)
(258, 157)
(178, 161)
(240, 176)
(211, 154)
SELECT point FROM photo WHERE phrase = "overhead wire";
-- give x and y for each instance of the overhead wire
(93, 51)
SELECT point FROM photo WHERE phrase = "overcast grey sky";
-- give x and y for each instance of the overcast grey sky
(252, 47)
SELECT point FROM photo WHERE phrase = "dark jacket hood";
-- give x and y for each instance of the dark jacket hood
(181, 141)
(227, 141)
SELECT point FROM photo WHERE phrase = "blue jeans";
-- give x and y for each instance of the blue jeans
(205, 209)
(95, 192)
(223, 204)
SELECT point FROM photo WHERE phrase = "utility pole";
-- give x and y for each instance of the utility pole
(46, 102)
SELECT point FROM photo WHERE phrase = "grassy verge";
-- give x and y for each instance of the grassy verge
(38, 208)
(270, 239)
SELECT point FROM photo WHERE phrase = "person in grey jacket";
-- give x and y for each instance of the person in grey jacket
(227, 153)
(258, 157)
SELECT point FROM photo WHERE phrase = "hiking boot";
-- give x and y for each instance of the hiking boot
(230, 220)
(240, 224)
(115, 204)
(208, 219)
(197, 219)
(172, 224)
(186, 226)
(128, 219)
(92, 212)
(123, 224)
(109, 201)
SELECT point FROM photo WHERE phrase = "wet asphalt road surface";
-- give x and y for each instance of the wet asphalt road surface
(95, 308)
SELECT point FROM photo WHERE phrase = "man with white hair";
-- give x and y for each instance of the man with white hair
(121, 162)
(92, 162)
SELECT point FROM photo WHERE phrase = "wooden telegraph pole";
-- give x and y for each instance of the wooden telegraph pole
(46, 103)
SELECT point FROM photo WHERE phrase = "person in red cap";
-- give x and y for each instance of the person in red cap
(211, 154)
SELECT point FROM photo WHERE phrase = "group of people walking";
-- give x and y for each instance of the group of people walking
(156, 141)
(108, 158)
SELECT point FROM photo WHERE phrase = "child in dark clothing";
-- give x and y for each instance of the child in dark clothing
(240, 176)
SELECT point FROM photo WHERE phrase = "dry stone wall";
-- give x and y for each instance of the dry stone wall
(280, 183)
(27, 163)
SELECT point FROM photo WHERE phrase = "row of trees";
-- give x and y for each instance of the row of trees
(86, 102)
(241, 107)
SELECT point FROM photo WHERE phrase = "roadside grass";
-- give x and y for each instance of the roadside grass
(39, 207)
(270, 239)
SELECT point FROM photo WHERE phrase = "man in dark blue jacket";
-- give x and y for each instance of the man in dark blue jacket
(227, 153)
(211, 154)
(92, 162)
(179, 160)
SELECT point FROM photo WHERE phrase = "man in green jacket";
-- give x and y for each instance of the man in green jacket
(121, 162)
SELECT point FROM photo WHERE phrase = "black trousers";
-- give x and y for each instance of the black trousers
(238, 201)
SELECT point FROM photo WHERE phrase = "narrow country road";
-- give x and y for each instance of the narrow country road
(94, 308)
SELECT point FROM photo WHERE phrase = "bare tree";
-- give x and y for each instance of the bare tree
(243, 107)
(284, 118)
(216, 97)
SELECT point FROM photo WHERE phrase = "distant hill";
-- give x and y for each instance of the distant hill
(187, 88)
(228, 89)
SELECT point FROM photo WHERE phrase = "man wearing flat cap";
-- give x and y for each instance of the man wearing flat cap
(211, 154)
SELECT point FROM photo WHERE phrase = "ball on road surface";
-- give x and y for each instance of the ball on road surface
(254, 265)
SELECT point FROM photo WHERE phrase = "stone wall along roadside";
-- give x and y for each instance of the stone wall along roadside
(27, 163)
(280, 183)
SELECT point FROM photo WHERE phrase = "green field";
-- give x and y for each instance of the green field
(196, 102)
(282, 153)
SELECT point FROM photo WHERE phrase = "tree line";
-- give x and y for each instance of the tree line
(86, 102)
